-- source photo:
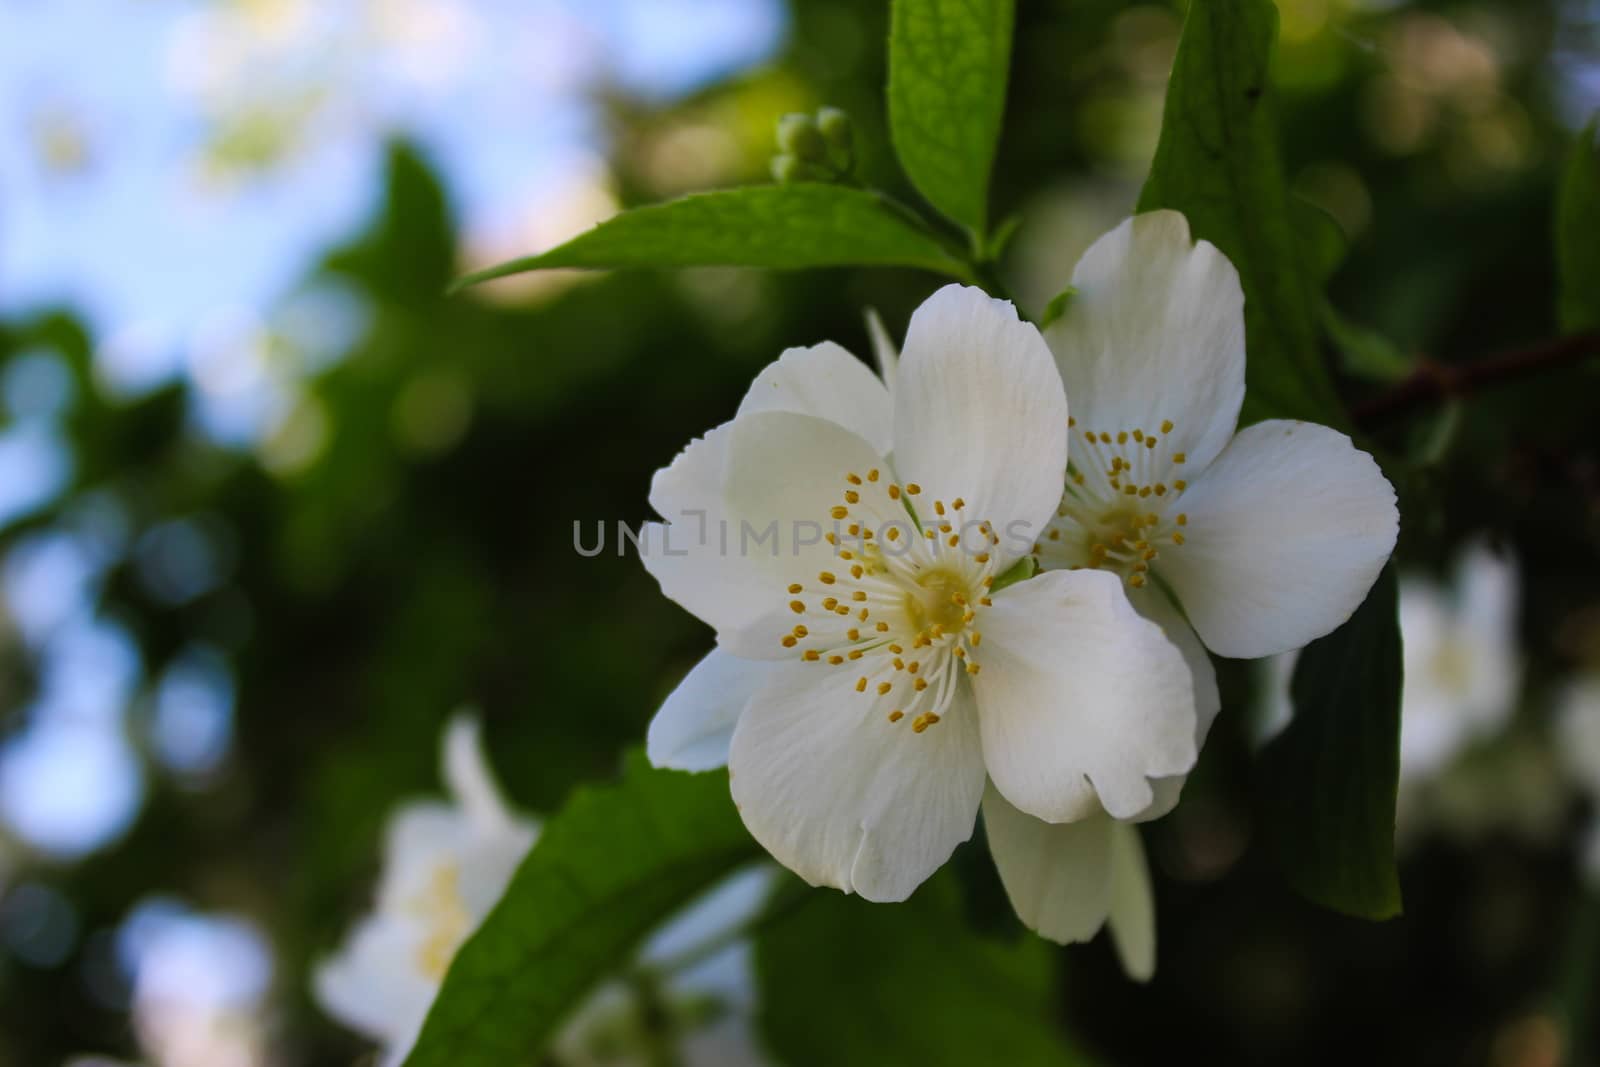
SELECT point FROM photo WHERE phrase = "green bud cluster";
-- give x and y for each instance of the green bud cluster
(815, 148)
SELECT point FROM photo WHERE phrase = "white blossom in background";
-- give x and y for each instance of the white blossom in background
(1462, 664)
(1578, 734)
(447, 864)
(871, 690)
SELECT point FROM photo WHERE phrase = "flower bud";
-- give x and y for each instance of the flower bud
(798, 136)
(837, 129)
(787, 169)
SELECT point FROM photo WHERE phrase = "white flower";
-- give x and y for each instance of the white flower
(1247, 543)
(867, 686)
(445, 866)
(1462, 667)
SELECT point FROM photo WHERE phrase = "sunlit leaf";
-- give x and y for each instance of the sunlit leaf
(784, 226)
(615, 863)
(948, 63)
(1217, 162)
(1327, 782)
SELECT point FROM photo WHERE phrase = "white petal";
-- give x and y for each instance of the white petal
(825, 380)
(1080, 697)
(749, 506)
(1058, 875)
(980, 414)
(1155, 332)
(842, 796)
(1578, 730)
(1154, 605)
(467, 773)
(884, 353)
(1133, 908)
(694, 727)
(1287, 531)
(374, 986)
(420, 837)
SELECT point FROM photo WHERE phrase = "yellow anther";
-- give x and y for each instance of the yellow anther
(826, 578)
(832, 538)
(896, 715)
(836, 659)
(913, 666)
(899, 664)
(920, 723)
(854, 529)
(1071, 422)
(883, 688)
(938, 507)
(958, 503)
(1180, 457)
(797, 607)
(861, 684)
(896, 649)
(846, 554)
(920, 684)
(974, 668)
(982, 557)
(883, 627)
(977, 639)
(1149, 554)
(1137, 581)
(858, 596)
(790, 640)
(857, 571)
(1138, 435)
(853, 634)
(811, 655)
(961, 653)
(1177, 538)
(839, 511)
(892, 533)
(1055, 534)
(953, 540)
(1131, 490)
(1105, 438)
(1122, 437)
(800, 631)
(1144, 490)
(829, 603)
(985, 601)
(1149, 442)
(795, 588)
(855, 653)
(862, 614)
(913, 488)
(852, 497)
(1180, 485)
(894, 491)
(853, 479)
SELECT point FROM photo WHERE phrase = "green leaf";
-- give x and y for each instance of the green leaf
(948, 62)
(784, 226)
(1577, 223)
(1217, 162)
(1327, 782)
(844, 982)
(615, 863)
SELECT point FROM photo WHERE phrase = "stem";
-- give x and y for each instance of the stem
(1432, 382)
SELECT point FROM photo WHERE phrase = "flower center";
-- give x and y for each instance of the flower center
(900, 609)
(443, 912)
(1119, 508)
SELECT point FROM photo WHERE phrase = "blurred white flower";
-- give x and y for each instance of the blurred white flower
(1462, 665)
(1578, 732)
(445, 866)
(846, 693)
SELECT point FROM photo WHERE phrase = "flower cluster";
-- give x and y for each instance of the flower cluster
(874, 688)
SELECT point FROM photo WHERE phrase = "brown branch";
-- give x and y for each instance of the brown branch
(1432, 382)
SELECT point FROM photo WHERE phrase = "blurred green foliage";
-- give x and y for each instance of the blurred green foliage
(404, 544)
